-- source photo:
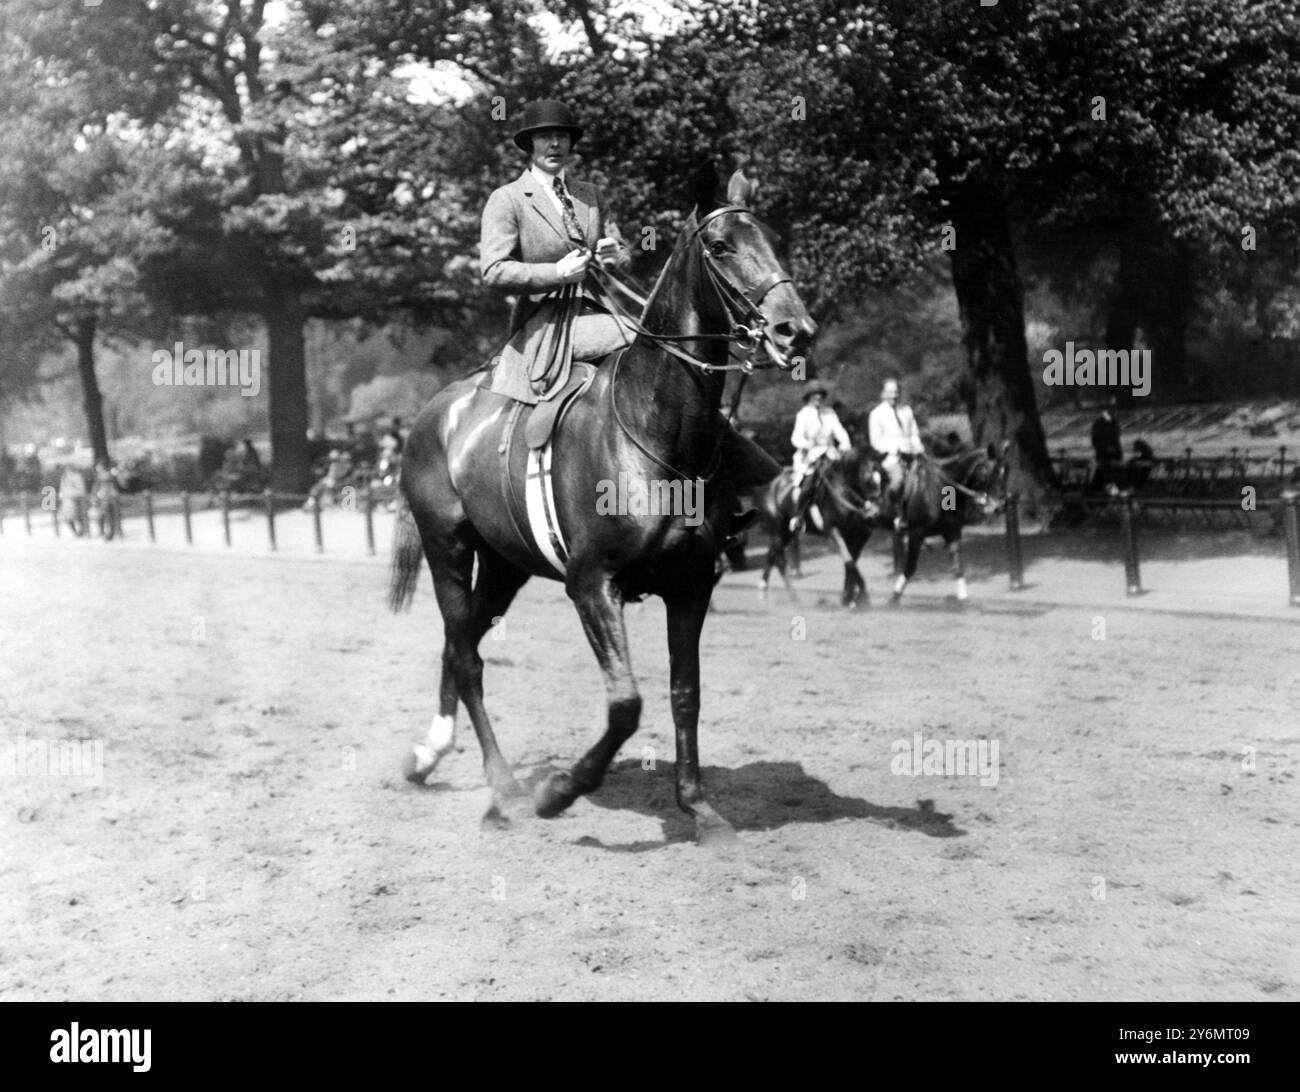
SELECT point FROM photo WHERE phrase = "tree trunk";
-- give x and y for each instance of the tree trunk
(990, 298)
(91, 400)
(1123, 306)
(1169, 317)
(287, 391)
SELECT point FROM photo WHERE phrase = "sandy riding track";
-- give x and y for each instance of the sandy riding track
(252, 838)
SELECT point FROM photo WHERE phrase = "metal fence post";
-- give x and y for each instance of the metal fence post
(27, 511)
(185, 509)
(1015, 559)
(1291, 520)
(1132, 572)
(57, 532)
(225, 514)
(148, 514)
(370, 522)
(315, 518)
(270, 516)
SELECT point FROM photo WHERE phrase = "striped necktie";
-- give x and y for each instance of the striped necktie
(571, 225)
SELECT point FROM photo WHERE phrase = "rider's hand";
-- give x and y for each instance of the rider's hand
(573, 266)
(607, 252)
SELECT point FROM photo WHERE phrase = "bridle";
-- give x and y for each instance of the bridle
(980, 497)
(748, 331)
(749, 334)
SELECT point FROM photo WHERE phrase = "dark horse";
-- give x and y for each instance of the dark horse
(652, 415)
(842, 496)
(940, 496)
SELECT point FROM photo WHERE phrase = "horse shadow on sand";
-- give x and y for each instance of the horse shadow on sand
(754, 797)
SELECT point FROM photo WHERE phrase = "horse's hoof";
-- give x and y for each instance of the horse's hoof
(507, 811)
(554, 794)
(416, 767)
(715, 833)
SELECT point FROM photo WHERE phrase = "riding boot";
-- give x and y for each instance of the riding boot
(747, 466)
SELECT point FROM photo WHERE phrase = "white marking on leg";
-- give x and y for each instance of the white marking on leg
(961, 588)
(816, 514)
(838, 539)
(440, 739)
(900, 582)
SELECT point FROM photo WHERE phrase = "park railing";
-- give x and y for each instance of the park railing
(30, 508)
(1190, 475)
(1131, 511)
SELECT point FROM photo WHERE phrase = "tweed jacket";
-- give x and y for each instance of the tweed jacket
(523, 237)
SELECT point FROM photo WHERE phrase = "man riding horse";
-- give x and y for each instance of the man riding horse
(892, 433)
(539, 235)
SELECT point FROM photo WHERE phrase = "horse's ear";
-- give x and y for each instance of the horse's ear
(706, 188)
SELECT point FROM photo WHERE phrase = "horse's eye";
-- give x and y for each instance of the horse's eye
(718, 248)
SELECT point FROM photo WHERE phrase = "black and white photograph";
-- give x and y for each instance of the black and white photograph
(651, 500)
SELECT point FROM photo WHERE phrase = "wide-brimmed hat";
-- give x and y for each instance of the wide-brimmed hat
(546, 114)
(816, 391)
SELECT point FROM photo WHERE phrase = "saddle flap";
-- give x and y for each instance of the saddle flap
(541, 421)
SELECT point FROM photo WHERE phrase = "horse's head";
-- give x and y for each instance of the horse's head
(860, 471)
(853, 482)
(752, 294)
(986, 474)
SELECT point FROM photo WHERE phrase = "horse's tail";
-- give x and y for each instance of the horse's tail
(408, 556)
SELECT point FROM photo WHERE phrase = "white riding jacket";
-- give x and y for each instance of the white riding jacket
(815, 431)
(892, 431)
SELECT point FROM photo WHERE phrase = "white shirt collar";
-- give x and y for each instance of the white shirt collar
(547, 180)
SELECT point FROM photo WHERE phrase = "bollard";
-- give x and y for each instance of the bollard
(185, 510)
(148, 514)
(1015, 560)
(1291, 520)
(57, 531)
(270, 517)
(225, 514)
(1132, 572)
(27, 511)
(315, 519)
(370, 522)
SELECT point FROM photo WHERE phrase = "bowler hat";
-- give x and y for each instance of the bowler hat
(546, 114)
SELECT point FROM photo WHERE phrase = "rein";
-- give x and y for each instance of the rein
(979, 497)
(728, 293)
(748, 335)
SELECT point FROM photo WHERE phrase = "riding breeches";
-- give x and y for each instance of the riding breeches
(895, 470)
